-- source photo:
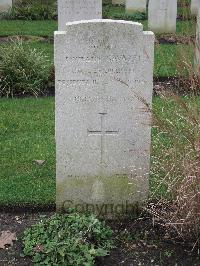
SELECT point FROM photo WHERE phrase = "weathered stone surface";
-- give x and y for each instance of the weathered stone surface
(104, 83)
(162, 16)
(197, 59)
(195, 5)
(70, 10)
(5, 5)
(118, 2)
(135, 6)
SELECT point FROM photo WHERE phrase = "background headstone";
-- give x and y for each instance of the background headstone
(75, 10)
(118, 2)
(5, 5)
(162, 16)
(195, 5)
(104, 82)
(135, 6)
(197, 60)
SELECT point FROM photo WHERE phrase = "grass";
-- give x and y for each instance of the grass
(27, 134)
(47, 27)
(175, 129)
(33, 28)
(46, 48)
(168, 59)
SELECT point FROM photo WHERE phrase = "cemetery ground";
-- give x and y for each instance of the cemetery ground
(27, 129)
(27, 188)
(137, 242)
(27, 145)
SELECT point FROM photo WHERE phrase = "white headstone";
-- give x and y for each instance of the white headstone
(118, 2)
(104, 82)
(135, 6)
(75, 10)
(197, 60)
(162, 16)
(195, 5)
(5, 5)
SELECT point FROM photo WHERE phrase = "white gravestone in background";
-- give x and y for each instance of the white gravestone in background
(195, 5)
(162, 16)
(135, 6)
(5, 5)
(197, 60)
(75, 10)
(118, 2)
(104, 82)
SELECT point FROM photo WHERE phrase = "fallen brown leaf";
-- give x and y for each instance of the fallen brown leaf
(7, 238)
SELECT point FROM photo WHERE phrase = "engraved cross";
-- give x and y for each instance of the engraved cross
(103, 133)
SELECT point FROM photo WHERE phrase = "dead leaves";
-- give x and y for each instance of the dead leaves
(6, 239)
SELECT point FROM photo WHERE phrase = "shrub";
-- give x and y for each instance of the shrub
(133, 17)
(23, 70)
(34, 10)
(71, 239)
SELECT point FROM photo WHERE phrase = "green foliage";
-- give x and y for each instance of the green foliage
(72, 239)
(123, 16)
(34, 10)
(23, 70)
(136, 16)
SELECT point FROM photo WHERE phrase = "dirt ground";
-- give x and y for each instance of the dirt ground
(137, 243)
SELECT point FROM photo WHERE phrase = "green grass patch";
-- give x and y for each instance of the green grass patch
(27, 134)
(175, 134)
(186, 28)
(170, 59)
(34, 28)
(47, 27)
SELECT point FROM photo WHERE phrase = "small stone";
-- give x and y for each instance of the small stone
(39, 162)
